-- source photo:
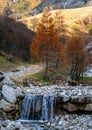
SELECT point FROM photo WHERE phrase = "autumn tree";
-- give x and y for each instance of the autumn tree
(77, 56)
(46, 46)
(60, 25)
(34, 24)
(61, 30)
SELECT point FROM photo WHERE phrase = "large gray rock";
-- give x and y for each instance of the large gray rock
(9, 82)
(85, 107)
(64, 98)
(81, 99)
(6, 106)
(70, 107)
(88, 107)
(10, 94)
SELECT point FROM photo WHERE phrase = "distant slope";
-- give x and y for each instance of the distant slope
(70, 15)
(15, 38)
(18, 8)
(24, 8)
(61, 4)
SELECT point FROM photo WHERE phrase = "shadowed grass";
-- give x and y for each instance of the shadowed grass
(8, 63)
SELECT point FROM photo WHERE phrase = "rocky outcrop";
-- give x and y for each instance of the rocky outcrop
(75, 99)
(9, 97)
(67, 98)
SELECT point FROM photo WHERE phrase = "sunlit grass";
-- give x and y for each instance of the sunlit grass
(39, 77)
(71, 16)
(87, 80)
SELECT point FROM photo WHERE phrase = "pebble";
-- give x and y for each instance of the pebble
(64, 122)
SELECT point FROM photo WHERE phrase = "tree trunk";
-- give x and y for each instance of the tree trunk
(46, 69)
(57, 64)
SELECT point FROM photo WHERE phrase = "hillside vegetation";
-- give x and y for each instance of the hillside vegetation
(9, 62)
(18, 8)
(23, 8)
(71, 16)
(15, 38)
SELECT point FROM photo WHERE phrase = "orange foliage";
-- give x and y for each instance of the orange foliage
(77, 56)
(46, 46)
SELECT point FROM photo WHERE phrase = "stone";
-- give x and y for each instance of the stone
(6, 106)
(60, 123)
(62, 98)
(12, 126)
(48, 124)
(2, 115)
(88, 107)
(9, 93)
(19, 93)
(81, 99)
(9, 82)
(5, 123)
(70, 107)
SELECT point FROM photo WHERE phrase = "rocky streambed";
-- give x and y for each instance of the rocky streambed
(67, 101)
(64, 122)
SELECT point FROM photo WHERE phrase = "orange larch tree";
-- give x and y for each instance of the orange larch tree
(77, 56)
(60, 25)
(46, 46)
(61, 29)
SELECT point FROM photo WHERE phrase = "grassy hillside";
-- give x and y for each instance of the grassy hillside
(8, 62)
(15, 38)
(23, 8)
(18, 8)
(70, 15)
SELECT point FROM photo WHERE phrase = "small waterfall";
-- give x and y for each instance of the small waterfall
(38, 107)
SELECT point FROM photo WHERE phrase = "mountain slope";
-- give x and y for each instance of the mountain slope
(71, 16)
(17, 8)
(61, 4)
(24, 8)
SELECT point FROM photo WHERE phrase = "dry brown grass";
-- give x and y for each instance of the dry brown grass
(71, 16)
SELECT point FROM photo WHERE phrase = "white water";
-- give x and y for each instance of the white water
(38, 107)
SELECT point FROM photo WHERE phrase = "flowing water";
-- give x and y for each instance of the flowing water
(37, 108)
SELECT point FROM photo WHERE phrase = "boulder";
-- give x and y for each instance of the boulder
(6, 106)
(85, 107)
(63, 97)
(81, 99)
(70, 107)
(2, 115)
(88, 107)
(10, 94)
(9, 82)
